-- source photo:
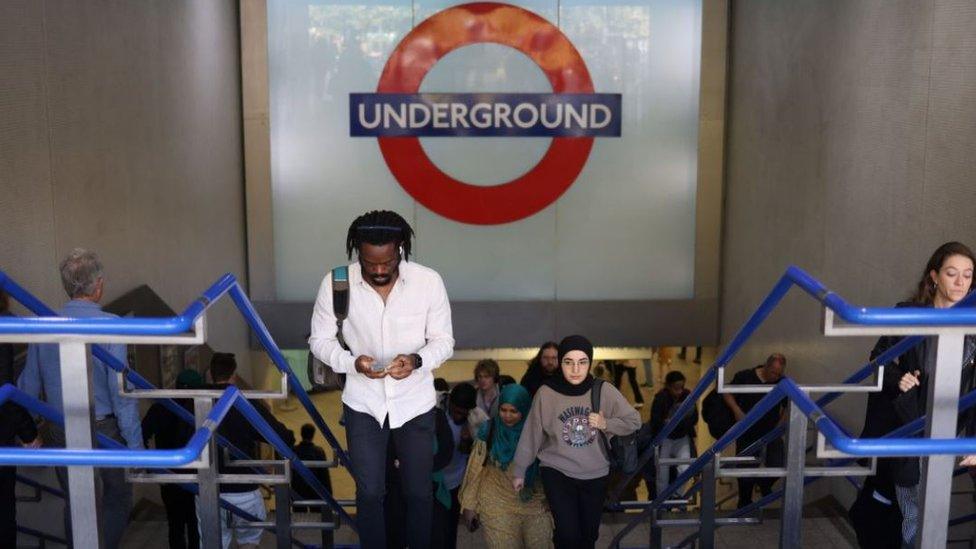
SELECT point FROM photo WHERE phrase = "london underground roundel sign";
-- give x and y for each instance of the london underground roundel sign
(397, 115)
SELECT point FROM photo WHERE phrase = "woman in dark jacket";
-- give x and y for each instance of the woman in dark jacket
(946, 280)
(15, 423)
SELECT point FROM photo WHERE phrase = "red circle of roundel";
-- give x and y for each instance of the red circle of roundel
(443, 33)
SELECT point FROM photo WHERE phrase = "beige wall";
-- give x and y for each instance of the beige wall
(120, 130)
(850, 154)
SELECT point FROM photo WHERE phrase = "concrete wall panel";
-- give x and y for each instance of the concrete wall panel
(849, 154)
(121, 132)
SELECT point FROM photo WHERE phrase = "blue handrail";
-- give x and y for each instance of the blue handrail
(153, 458)
(264, 336)
(41, 535)
(963, 519)
(40, 486)
(861, 374)
(878, 316)
(896, 316)
(48, 412)
(226, 284)
(794, 276)
(53, 324)
(248, 410)
(112, 457)
(914, 427)
(184, 322)
(168, 326)
(891, 445)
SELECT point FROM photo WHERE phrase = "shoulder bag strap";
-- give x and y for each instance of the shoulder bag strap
(340, 300)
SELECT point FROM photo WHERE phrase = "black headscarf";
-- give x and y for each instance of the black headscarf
(558, 382)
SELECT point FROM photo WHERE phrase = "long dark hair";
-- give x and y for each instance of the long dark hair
(536, 361)
(925, 291)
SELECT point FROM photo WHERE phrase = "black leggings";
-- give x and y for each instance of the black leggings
(576, 506)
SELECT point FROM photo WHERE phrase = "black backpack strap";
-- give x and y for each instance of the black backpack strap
(340, 300)
(595, 392)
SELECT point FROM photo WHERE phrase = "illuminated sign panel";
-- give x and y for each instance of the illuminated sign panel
(514, 217)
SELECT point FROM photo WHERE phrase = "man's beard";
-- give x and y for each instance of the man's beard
(382, 280)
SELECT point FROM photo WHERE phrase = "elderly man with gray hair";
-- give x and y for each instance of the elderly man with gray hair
(115, 416)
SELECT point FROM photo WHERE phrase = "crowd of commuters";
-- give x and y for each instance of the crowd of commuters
(526, 463)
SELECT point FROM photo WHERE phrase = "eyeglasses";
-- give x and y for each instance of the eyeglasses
(580, 362)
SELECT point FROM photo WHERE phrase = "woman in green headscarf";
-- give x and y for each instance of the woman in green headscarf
(511, 520)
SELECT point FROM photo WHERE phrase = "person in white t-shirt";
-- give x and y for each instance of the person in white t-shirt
(398, 330)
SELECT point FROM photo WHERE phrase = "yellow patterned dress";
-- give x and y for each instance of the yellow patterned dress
(507, 521)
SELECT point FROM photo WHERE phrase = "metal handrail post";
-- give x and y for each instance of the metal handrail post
(282, 494)
(208, 494)
(941, 415)
(707, 512)
(328, 535)
(77, 401)
(656, 539)
(796, 450)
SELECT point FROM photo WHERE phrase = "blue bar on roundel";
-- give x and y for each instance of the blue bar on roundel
(484, 114)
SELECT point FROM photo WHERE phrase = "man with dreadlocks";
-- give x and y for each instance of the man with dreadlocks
(398, 330)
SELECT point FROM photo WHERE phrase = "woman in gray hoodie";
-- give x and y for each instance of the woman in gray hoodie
(562, 432)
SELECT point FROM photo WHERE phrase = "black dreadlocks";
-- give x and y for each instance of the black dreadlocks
(379, 227)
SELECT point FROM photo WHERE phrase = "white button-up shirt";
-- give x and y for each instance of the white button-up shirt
(416, 318)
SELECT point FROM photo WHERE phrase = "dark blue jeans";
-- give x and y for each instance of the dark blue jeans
(367, 441)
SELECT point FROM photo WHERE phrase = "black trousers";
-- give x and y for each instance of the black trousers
(576, 506)
(877, 524)
(775, 457)
(618, 374)
(367, 441)
(445, 522)
(8, 507)
(181, 515)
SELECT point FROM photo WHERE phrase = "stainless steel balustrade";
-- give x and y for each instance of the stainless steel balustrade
(940, 446)
(77, 336)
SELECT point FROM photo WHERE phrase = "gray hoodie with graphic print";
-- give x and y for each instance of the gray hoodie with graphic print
(558, 432)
